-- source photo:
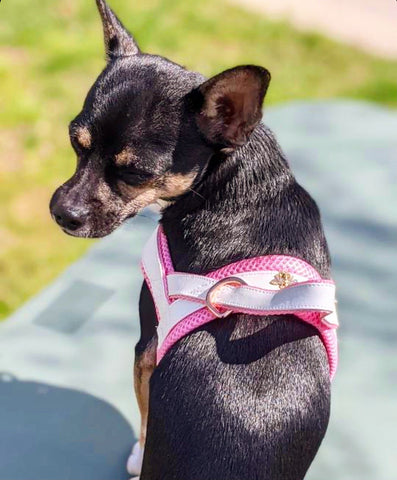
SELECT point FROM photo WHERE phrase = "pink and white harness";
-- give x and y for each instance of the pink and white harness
(269, 285)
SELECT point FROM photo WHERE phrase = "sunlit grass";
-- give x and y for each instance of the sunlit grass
(51, 52)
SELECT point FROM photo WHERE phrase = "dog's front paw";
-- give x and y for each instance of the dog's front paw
(134, 462)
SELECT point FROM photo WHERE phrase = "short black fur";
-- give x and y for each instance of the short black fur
(269, 372)
(244, 397)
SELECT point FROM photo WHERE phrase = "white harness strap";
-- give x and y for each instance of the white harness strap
(169, 314)
(304, 296)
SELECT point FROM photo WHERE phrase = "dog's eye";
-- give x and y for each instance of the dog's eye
(133, 176)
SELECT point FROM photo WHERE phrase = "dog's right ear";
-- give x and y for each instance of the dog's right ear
(118, 41)
(229, 105)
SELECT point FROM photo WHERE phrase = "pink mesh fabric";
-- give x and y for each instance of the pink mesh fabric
(270, 262)
(165, 252)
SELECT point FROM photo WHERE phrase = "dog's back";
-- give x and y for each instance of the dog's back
(244, 397)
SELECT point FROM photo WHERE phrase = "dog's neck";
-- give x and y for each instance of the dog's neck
(242, 207)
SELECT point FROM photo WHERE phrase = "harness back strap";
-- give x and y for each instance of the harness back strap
(269, 285)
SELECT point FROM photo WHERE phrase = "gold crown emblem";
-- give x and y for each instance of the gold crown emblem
(283, 279)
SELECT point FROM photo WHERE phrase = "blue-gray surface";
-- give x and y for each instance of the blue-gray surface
(67, 405)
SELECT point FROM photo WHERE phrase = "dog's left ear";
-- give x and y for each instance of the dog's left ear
(118, 41)
(230, 104)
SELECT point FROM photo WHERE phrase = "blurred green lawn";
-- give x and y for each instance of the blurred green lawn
(51, 52)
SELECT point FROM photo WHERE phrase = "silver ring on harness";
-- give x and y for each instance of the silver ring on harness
(235, 281)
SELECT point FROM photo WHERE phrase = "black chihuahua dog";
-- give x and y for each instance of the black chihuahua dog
(244, 397)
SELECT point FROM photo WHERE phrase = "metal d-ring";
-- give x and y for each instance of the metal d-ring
(225, 281)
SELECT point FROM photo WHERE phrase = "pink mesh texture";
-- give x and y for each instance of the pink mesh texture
(270, 262)
(165, 252)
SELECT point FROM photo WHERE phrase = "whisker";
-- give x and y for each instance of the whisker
(146, 216)
(199, 194)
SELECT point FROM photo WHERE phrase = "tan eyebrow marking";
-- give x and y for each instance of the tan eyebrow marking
(125, 157)
(83, 136)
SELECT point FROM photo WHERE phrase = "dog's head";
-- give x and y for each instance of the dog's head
(147, 131)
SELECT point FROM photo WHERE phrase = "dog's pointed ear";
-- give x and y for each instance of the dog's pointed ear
(118, 41)
(229, 105)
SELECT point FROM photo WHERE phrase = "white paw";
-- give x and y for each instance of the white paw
(134, 478)
(134, 462)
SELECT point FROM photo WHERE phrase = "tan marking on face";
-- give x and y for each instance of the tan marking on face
(176, 184)
(104, 193)
(131, 192)
(168, 186)
(125, 157)
(113, 208)
(83, 136)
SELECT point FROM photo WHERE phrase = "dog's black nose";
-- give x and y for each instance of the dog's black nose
(69, 218)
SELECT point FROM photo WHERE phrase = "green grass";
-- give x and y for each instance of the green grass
(51, 52)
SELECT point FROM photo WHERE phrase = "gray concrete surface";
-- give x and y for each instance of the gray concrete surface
(67, 405)
(368, 24)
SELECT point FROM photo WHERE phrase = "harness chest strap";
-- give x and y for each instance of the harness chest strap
(185, 301)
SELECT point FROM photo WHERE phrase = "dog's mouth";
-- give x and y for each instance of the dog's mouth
(83, 233)
(87, 232)
(91, 229)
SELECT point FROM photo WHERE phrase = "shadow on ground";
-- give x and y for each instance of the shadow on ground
(59, 433)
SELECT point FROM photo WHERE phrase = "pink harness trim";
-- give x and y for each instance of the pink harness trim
(278, 263)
